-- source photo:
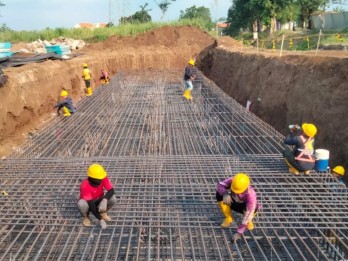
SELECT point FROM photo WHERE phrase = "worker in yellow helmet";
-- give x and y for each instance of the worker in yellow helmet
(338, 174)
(188, 78)
(92, 197)
(301, 159)
(65, 105)
(86, 75)
(237, 194)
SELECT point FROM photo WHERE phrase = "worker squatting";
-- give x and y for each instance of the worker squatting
(65, 106)
(232, 194)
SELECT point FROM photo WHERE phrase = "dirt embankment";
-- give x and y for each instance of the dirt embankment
(32, 90)
(291, 89)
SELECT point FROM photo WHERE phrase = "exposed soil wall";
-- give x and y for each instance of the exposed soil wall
(292, 89)
(28, 97)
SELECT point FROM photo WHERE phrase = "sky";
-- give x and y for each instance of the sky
(40, 14)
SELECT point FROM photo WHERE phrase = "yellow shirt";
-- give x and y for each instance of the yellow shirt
(86, 73)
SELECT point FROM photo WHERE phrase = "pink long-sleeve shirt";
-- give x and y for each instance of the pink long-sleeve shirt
(249, 197)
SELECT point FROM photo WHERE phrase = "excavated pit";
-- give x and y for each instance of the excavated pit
(164, 156)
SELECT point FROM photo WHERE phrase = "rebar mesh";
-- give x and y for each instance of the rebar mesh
(164, 155)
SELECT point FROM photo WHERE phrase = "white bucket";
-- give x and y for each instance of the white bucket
(322, 159)
(321, 154)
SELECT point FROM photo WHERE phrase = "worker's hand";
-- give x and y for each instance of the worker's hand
(102, 223)
(103, 204)
(236, 236)
(227, 199)
(295, 128)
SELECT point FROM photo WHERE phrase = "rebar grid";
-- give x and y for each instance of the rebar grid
(164, 155)
(130, 117)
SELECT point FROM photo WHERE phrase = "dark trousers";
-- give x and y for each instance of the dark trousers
(235, 206)
(88, 83)
(300, 166)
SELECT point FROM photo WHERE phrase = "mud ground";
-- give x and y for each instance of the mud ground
(294, 88)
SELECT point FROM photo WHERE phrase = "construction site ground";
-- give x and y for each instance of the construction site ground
(165, 154)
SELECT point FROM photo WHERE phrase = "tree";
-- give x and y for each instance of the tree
(307, 7)
(244, 14)
(251, 13)
(201, 13)
(194, 12)
(4, 28)
(163, 5)
(1, 4)
(141, 16)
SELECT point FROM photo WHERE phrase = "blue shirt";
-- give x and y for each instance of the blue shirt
(67, 102)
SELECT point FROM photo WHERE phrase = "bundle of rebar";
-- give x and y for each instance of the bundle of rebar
(164, 155)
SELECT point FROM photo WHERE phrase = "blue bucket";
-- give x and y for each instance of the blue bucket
(322, 160)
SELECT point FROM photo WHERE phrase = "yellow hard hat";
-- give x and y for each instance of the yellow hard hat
(96, 171)
(63, 93)
(339, 170)
(85, 65)
(240, 183)
(309, 129)
(192, 62)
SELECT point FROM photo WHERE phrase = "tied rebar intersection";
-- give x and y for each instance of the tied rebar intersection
(164, 156)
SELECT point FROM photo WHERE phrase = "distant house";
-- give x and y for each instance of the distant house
(90, 25)
(221, 26)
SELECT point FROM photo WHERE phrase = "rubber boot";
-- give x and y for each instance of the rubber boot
(187, 94)
(293, 171)
(105, 216)
(287, 163)
(89, 91)
(250, 225)
(86, 221)
(190, 97)
(66, 111)
(291, 168)
(226, 211)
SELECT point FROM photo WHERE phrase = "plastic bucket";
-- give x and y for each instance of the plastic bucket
(322, 159)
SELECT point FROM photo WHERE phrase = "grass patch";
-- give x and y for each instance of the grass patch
(94, 35)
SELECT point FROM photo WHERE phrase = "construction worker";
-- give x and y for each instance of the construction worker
(92, 197)
(301, 159)
(66, 105)
(188, 78)
(237, 194)
(338, 173)
(86, 75)
(104, 78)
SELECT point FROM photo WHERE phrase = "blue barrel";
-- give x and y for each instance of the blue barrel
(321, 160)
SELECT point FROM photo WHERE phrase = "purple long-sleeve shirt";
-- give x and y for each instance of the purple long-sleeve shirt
(249, 197)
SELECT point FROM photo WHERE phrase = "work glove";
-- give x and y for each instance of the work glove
(241, 229)
(102, 223)
(227, 199)
(236, 236)
(103, 205)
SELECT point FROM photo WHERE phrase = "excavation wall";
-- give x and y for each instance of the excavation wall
(283, 91)
(287, 90)
(32, 90)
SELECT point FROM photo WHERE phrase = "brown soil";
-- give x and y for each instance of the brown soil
(28, 97)
(293, 88)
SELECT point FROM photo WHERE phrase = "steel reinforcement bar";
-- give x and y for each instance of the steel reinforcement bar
(164, 156)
